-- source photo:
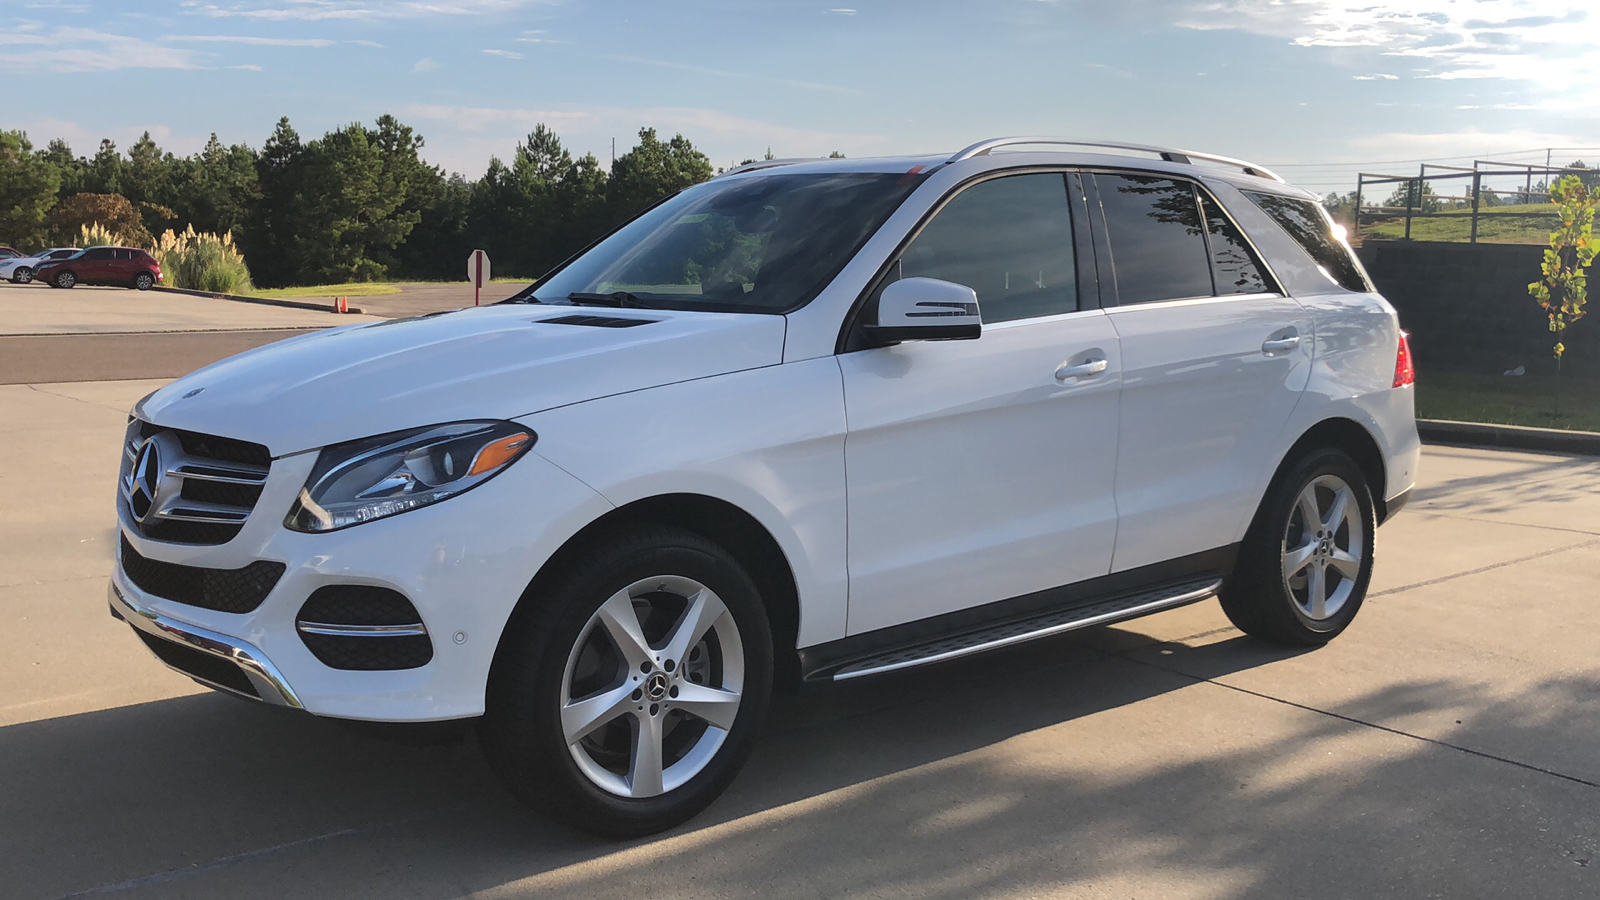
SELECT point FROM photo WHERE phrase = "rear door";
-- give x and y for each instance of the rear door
(1215, 358)
(978, 470)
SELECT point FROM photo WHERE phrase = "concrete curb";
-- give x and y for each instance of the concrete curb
(1516, 437)
(262, 301)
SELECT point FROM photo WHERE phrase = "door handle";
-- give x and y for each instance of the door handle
(1279, 345)
(1088, 369)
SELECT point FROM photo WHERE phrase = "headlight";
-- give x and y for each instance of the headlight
(389, 474)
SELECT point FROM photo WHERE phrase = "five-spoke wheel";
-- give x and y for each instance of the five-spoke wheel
(1305, 562)
(627, 689)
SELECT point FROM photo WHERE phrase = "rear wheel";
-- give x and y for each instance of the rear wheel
(22, 275)
(66, 279)
(143, 281)
(1307, 559)
(625, 697)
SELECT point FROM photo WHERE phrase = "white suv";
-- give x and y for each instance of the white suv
(806, 421)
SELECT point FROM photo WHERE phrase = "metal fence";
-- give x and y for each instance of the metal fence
(1430, 213)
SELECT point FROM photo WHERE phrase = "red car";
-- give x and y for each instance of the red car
(127, 266)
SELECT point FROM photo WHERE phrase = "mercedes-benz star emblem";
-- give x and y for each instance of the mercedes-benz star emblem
(146, 477)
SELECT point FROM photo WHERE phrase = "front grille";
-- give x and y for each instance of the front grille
(356, 611)
(194, 488)
(204, 667)
(224, 590)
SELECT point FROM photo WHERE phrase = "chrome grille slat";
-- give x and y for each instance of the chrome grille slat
(210, 473)
(207, 485)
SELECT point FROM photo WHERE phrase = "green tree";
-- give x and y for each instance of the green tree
(28, 185)
(70, 167)
(269, 238)
(103, 174)
(215, 190)
(652, 170)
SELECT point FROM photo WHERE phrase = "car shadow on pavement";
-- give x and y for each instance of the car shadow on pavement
(1022, 772)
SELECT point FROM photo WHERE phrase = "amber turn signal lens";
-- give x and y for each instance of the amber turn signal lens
(497, 454)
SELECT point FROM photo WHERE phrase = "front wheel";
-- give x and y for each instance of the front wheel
(626, 696)
(66, 280)
(143, 281)
(1307, 559)
(22, 275)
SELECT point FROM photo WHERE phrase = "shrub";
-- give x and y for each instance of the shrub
(97, 235)
(111, 210)
(202, 262)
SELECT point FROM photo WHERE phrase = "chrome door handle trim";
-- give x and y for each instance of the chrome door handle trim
(1281, 344)
(1087, 369)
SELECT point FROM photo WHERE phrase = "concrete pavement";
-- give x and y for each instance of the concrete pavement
(1448, 745)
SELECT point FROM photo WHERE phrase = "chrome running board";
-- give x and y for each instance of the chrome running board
(993, 638)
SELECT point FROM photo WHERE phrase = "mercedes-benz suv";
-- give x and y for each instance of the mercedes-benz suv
(812, 420)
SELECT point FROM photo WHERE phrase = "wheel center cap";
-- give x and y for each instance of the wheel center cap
(656, 686)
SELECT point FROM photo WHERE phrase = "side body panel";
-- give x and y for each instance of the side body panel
(1204, 409)
(769, 441)
(975, 475)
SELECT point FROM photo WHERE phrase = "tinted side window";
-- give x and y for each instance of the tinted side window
(1311, 228)
(1009, 239)
(62, 254)
(124, 254)
(1158, 246)
(98, 253)
(1232, 264)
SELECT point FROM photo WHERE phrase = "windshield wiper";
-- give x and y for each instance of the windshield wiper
(615, 300)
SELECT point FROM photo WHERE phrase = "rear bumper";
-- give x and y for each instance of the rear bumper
(266, 683)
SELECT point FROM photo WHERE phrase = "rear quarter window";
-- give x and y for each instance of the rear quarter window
(1309, 225)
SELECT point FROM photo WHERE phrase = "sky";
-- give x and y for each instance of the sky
(1316, 88)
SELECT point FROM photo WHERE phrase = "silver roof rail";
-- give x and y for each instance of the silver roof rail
(982, 148)
(772, 164)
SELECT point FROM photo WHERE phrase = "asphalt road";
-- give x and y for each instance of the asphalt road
(1448, 745)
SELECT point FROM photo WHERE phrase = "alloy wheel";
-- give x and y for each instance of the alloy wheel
(1323, 547)
(652, 686)
(23, 275)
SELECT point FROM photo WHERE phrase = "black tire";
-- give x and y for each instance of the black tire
(21, 275)
(143, 281)
(1260, 599)
(522, 731)
(65, 279)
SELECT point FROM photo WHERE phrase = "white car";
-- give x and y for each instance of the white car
(19, 270)
(816, 420)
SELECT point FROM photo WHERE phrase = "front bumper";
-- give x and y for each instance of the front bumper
(267, 683)
(463, 563)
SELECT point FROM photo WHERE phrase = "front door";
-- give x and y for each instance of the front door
(981, 470)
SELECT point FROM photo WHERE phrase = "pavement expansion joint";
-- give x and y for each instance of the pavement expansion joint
(1198, 679)
(1489, 568)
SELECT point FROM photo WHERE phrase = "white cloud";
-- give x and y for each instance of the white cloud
(1377, 76)
(506, 54)
(724, 73)
(247, 39)
(321, 10)
(88, 50)
(426, 65)
(1547, 42)
(841, 11)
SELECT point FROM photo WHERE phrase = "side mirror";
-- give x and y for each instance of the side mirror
(926, 309)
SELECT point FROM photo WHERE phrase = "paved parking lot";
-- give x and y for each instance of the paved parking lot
(1448, 745)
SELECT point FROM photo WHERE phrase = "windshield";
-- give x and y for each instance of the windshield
(762, 244)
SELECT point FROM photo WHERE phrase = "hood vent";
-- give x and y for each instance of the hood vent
(597, 321)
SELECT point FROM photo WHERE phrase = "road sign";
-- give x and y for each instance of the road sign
(477, 273)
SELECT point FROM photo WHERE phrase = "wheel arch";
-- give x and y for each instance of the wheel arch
(722, 522)
(1354, 439)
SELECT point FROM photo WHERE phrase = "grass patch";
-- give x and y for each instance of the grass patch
(1506, 400)
(357, 289)
(1456, 225)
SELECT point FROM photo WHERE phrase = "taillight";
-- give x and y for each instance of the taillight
(1404, 374)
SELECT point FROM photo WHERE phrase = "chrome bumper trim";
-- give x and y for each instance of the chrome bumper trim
(268, 681)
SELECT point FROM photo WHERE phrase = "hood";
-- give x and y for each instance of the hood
(492, 362)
